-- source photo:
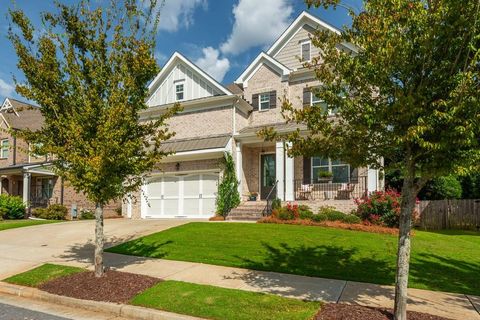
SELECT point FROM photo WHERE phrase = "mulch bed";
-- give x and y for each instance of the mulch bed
(334, 224)
(114, 286)
(341, 311)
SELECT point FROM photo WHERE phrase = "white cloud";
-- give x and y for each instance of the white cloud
(211, 63)
(6, 89)
(257, 23)
(160, 57)
(176, 14)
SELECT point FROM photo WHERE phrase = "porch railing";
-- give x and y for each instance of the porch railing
(272, 195)
(330, 190)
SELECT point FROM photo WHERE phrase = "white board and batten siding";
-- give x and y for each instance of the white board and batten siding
(195, 86)
(174, 196)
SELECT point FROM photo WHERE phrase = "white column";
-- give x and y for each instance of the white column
(239, 167)
(280, 169)
(372, 179)
(289, 175)
(26, 188)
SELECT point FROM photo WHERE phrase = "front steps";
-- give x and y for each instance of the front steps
(247, 211)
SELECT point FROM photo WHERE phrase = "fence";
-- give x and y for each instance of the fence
(450, 214)
(330, 191)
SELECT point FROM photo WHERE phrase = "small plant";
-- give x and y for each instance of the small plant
(351, 219)
(320, 217)
(276, 204)
(53, 212)
(11, 207)
(324, 174)
(305, 213)
(87, 214)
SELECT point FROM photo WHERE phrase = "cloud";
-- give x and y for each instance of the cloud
(160, 57)
(212, 65)
(176, 14)
(257, 23)
(6, 89)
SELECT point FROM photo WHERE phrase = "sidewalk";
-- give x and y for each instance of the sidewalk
(449, 305)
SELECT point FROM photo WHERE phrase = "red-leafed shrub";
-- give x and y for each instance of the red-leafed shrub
(380, 208)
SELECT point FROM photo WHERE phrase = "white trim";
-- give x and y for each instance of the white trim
(7, 105)
(179, 83)
(280, 169)
(262, 58)
(289, 175)
(176, 55)
(300, 21)
(2, 148)
(260, 101)
(330, 166)
(309, 50)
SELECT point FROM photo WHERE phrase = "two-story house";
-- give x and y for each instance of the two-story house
(218, 119)
(30, 176)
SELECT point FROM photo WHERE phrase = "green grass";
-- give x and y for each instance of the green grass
(445, 261)
(219, 303)
(42, 274)
(11, 224)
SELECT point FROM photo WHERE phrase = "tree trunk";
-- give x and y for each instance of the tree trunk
(99, 240)
(409, 193)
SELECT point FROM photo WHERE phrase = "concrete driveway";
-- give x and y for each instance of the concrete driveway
(67, 242)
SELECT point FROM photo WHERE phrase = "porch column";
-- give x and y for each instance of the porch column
(280, 169)
(289, 175)
(26, 188)
(239, 167)
(372, 179)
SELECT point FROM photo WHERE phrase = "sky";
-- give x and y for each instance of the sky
(220, 36)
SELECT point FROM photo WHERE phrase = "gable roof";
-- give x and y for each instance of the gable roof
(297, 24)
(261, 59)
(21, 115)
(174, 59)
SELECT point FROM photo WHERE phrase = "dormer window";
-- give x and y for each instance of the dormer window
(179, 91)
(305, 47)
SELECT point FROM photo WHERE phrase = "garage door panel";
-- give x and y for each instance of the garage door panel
(189, 196)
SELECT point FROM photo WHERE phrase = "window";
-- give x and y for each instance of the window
(339, 169)
(47, 188)
(179, 93)
(34, 146)
(305, 50)
(264, 101)
(4, 149)
(317, 102)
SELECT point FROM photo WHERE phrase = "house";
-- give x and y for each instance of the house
(218, 119)
(30, 176)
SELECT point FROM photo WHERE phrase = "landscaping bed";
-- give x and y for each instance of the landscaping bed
(443, 261)
(354, 312)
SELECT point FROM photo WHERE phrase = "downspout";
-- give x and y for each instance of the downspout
(14, 150)
(61, 190)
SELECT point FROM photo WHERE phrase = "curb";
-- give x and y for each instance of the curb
(114, 309)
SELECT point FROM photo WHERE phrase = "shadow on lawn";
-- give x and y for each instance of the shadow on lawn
(84, 253)
(335, 262)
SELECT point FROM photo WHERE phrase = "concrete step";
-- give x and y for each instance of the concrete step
(243, 218)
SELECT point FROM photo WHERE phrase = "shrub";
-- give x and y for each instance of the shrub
(381, 208)
(320, 217)
(285, 214)
(441, 188)
(306, 214)
(87, 215)
(53, 212)
(276, 204)
(11, 207)
(336, 216)
(227, 196)
(351, 219)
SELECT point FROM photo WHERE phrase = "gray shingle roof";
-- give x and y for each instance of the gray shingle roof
(29, 116)
(204, 143)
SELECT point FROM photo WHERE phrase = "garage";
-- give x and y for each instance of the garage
(173, 196)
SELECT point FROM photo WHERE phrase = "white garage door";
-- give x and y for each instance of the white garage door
(191, 196)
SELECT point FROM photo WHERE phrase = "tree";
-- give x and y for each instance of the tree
(88, 70)
(228, 196)
(407, 89)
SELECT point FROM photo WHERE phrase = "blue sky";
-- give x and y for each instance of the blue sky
(221, 36)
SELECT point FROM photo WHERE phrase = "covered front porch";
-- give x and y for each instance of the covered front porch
(35, 184)
(265, 169)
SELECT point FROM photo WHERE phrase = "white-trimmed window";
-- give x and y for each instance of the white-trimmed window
(305, 48)
(264, 101)
(339, 169)
(317, 102)
(179, 91)
(4, 149)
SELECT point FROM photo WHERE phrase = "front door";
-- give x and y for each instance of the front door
(267, 174)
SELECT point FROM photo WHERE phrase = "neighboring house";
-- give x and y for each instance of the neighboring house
(217, 119)
(27, 175)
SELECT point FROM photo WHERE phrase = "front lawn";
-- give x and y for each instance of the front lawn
(10, 224)
(220, 303)
(445, 261)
